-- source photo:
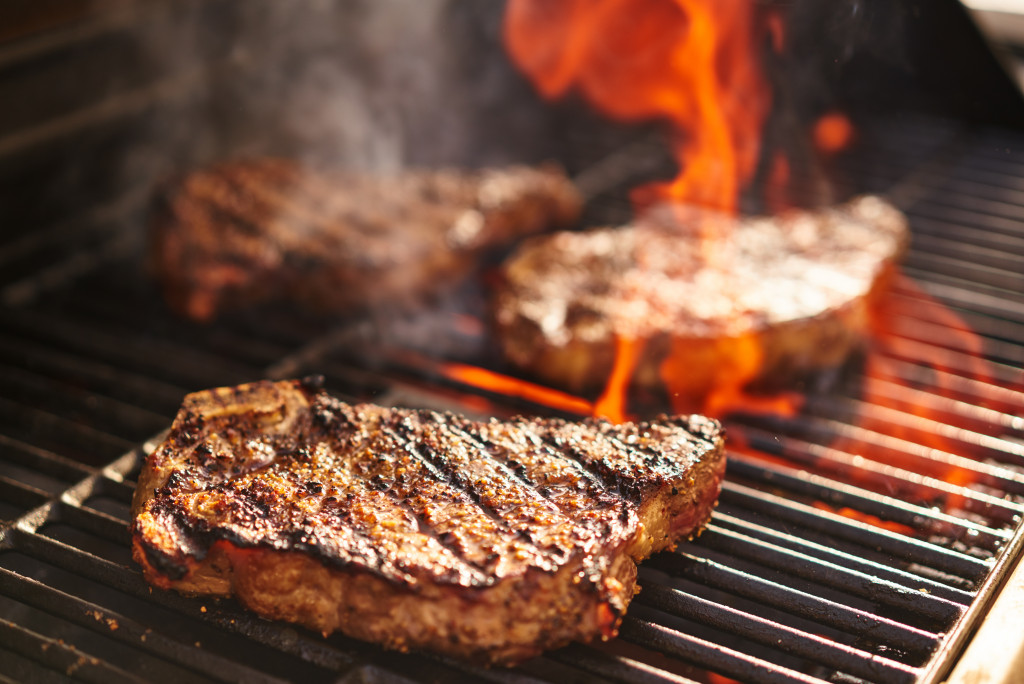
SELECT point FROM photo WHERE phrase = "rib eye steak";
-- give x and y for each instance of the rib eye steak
(713, 299)
(242, 233)
(488, 540)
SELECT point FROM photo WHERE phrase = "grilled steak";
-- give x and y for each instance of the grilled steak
(414, 529)
(247, 232)
(712, 299)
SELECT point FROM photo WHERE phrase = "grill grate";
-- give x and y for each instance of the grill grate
(844, 547)
(859, 541)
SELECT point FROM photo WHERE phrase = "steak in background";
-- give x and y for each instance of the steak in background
(491, 541)
(794, 292)
(242, 233)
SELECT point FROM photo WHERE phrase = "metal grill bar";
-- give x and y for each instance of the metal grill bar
(21, 496)
(836, 526)
(979, 445)
(122, 578)
(922, 458)
(885, 508)
(57, 433)
(846, 559)
(95, 367)
(60, 657)
(139, 354)
(617, 669)
(877, 629)
(989, 301)
(882, 478)
(775, 635)
(709, 654)
(970, 390)
(823, 572)
(119, 627)
(41, 461)
(99, 377)
(982, 419)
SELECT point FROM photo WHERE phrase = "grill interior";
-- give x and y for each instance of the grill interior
(861, 540)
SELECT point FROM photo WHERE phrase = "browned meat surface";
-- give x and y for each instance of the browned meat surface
(413, 529)
(765, 299)
(246, 232)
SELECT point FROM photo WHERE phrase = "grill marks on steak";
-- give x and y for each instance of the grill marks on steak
(487, 540)
(241, 233)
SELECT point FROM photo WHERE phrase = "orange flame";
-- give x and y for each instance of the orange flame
(514, 387)
(695, 64)
(732, 363)
(866, 518)
(692, 63)
(961, 353)
(954, 358)
(612, 402)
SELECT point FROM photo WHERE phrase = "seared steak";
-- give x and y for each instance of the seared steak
(413, 529)
(245, 232)
(713, 299)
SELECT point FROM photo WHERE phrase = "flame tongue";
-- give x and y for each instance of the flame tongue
(693, 63)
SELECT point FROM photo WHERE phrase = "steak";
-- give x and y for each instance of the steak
(713, 299)
(242, 233)
(486, 540)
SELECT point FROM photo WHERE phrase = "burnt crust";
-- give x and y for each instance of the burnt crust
(475, 523)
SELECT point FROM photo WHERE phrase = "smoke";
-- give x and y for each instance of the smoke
(371, 85)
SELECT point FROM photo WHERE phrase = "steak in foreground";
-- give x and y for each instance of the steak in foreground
(244, 233)
(487, 540)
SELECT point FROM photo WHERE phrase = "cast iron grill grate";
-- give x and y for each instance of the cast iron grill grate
(845, 548)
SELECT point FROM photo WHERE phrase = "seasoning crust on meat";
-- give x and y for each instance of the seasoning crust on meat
(488, 540)
(703, 291)
(243, 233)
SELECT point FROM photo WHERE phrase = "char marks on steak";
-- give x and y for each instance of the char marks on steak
(242, 233)
(488, 540)
(704, 292)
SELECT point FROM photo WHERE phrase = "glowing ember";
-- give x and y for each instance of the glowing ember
(918, 439)
(692, 63)
(833, 133)
(889, 344)
(714, 678)
(866, 518)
